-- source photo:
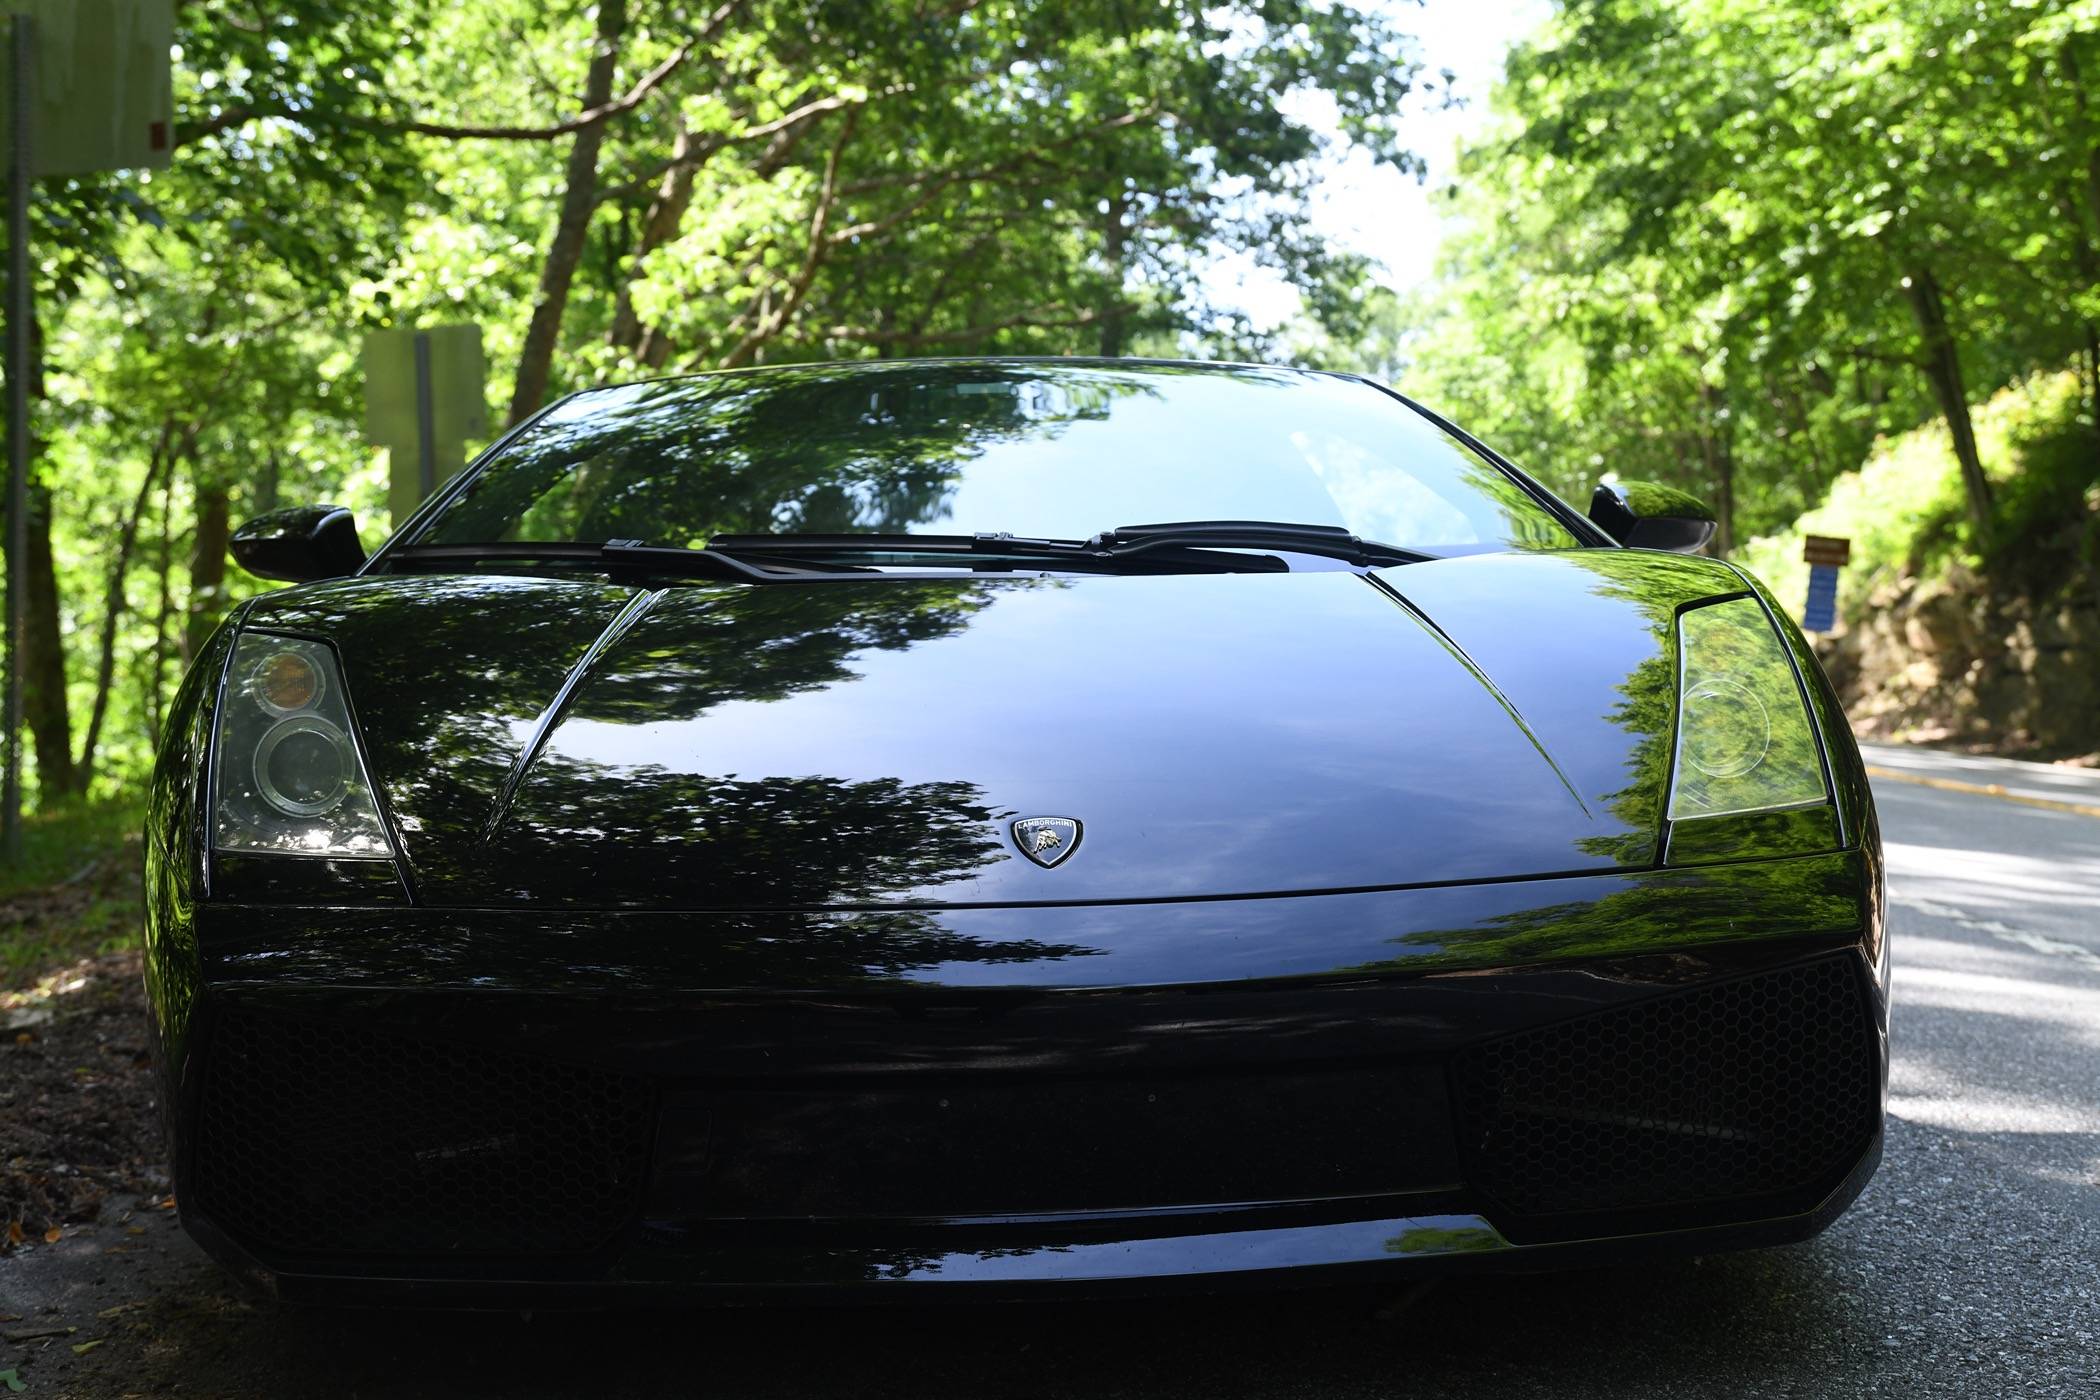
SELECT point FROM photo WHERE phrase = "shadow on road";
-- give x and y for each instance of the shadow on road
(1779, 1319)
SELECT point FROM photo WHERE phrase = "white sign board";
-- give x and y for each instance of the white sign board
(444, 379)
(104, 94)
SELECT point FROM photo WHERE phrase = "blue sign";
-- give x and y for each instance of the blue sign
(1821, 613)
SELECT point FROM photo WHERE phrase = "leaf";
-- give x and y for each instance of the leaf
(12, 1381)
(83, 1348)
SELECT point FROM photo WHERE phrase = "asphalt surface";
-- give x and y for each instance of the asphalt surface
(1971, 1265)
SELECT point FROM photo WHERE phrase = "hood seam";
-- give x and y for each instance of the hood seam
(623, 621)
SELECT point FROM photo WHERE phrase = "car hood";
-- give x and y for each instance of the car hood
(872, 743)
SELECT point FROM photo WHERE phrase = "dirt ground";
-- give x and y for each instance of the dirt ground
(78, 1121)
(79, 1150)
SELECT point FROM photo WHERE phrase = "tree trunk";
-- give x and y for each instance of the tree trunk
(207, 569)
(2092, 373)
(1724, 501)
(773, 317)
(44, 658)
(113, 605)
(1717, 445)
(659, 226)
(1942, 366)
(2085, 263)
(266, 487)
(164, 611)
(2087, 258)
(572, 228)
(2068, 57)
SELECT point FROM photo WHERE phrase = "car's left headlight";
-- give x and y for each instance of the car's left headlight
(288, 778)
(1745, 742)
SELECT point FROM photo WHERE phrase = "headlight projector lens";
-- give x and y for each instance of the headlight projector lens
(302, 767)
(1726, 730)
(285, 683)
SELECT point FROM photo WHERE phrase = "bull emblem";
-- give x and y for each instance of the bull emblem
(1046, 840)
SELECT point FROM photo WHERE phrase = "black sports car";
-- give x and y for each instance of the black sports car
(905, 826)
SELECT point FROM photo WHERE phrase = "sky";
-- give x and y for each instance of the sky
(1375, 209)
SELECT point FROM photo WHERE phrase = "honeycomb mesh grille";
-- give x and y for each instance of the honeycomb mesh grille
(317, 1138)
(1758, 1087)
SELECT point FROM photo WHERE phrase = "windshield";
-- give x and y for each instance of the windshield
(1044, 450)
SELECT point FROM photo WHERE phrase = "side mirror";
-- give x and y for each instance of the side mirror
(1645, 515)
(305, 542)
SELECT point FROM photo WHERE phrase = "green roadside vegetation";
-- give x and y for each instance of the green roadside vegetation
(75, 891)
(1832, 266)
(1903, 507)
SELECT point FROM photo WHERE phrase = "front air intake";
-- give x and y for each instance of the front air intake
(317, 1138)
(1764, 1088)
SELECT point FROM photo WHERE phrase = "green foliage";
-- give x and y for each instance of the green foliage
(2047, 526)
(68, 838)
(1729, 245)
(74, 891)
(1902, 507)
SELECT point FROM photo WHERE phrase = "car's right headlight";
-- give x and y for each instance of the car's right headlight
(287, 775)
(1745, 742)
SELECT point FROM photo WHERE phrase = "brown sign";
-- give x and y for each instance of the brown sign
(1826, 549)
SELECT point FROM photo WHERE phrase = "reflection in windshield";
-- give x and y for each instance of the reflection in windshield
(768, 644)
(1058, 450)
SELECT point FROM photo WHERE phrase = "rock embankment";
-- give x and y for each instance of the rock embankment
(1949, 659)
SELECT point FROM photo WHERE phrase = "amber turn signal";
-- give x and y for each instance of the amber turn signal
(286, 683)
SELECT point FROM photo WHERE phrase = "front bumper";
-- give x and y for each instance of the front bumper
(1240, 1254)
(360, 1121)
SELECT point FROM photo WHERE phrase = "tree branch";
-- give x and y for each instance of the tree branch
(819, 245)
(787, 129)
(988, 172)
(1024, 321)
(583, 121)
(815, 109)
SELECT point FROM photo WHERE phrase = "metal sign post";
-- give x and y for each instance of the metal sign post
(91, 81)
(22, 72)
(1826, 554)
(426, 418)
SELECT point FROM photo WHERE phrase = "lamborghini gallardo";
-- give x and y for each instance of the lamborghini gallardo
(949, 827)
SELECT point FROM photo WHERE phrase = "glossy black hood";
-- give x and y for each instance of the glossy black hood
(870, 743)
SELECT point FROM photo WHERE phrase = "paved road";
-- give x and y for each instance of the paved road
(1970, 1267)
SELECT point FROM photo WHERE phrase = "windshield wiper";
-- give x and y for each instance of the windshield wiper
(1327, 541)
(1180, 546)
(989, 550)
(1188, 546)
(622, 556)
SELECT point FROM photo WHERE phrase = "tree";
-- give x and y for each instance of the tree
(610, 190)
(1760, 234)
